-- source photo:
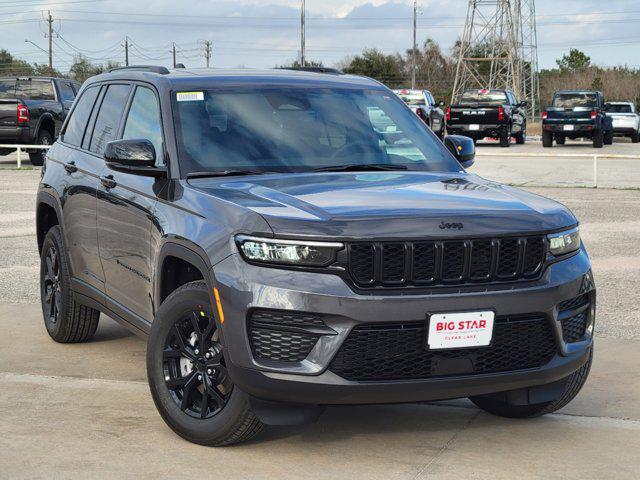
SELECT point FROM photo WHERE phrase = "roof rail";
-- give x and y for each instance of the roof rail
(145, 68)
(334, 71)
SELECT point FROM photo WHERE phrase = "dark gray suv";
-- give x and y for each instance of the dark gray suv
(292, 240)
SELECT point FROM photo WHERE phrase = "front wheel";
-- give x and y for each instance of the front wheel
(187, 373)
(635, 137)
(547, 139)
(521, 138)
(37, 157)
(598, 139)
(505, 138)
(608, 137)
(573, 385)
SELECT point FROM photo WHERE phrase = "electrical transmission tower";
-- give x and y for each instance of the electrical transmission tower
(525, 13)
(489, 49)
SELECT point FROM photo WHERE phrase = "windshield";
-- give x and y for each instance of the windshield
(572, 100)
(294, 129)
(619, 108)
(485, 97)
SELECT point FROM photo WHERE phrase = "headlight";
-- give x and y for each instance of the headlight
(565, 242)
(288, 252)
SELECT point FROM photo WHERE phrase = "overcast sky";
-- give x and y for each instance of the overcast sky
(265, 34)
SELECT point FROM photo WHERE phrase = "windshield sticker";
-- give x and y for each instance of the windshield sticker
(190, 96)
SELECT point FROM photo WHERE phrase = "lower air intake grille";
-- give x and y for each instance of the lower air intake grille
(397, 351)
(574, 328)
(279, 335)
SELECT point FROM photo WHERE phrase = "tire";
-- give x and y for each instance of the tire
(547, 139)
(608, 137)
(598, 139)
(574, 384)
(521, 138)
(66, 320)
(37, 157)
(635, 137)
(505, 138)
(224, 416)
(561, 139)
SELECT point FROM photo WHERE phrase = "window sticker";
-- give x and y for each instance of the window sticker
(190, 96)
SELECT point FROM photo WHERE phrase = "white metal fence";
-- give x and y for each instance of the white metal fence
(20, 148)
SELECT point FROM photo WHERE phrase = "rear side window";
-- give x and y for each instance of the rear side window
(108, 120)
(35, 90)
(79, 117)
(66, 92)
(7, 89)
(143, 120)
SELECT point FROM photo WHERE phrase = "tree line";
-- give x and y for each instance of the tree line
(435, 71)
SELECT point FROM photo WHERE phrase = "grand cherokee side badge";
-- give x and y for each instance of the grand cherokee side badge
(455, 226)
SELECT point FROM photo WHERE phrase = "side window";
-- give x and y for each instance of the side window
(66, 92)
(108, 119)
(144, 120)
(35, 90)
(77, 123)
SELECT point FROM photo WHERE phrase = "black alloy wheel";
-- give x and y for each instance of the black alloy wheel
(51, 285)
(194, 369)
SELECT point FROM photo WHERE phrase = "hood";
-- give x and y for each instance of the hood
(388, 205)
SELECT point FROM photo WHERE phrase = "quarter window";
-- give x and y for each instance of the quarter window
(78, 121)
(66, 92)
(143, 120)
(108, 120)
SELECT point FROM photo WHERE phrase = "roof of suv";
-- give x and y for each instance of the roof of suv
(183, 78)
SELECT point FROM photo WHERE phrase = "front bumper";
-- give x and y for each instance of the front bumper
(243, 287)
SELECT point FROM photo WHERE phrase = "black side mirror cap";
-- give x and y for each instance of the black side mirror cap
(136, 156)
(462, 148)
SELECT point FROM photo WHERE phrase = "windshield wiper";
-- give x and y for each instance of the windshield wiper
(360, 167)
(223, 173)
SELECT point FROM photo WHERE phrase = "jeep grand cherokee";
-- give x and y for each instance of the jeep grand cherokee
(292, 240)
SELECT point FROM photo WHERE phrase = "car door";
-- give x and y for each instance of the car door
(80, 170)
(125, 210)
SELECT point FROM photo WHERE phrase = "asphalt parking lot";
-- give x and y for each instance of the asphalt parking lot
(84, 411)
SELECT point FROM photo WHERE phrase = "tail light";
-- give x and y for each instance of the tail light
(500, 113)
(544, 115)
(23, 114)
(593, 115)
(448, 114)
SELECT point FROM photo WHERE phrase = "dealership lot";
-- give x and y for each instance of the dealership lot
(85, 410)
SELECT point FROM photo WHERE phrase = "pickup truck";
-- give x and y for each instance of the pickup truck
(625, 119)
(482, 113)
(577, 114)
(32, 110)
(423, 104)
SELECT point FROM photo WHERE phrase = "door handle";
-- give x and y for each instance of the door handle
(71, 167)
(108, 181)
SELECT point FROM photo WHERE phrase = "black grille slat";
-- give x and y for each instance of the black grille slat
(445, 262)
(377, 352)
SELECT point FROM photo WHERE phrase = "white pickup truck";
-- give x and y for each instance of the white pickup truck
(626, 121)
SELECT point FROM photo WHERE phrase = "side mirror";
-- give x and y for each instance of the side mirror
(607, 107)
(462, 148)
(136, 156)
(441, 103)
(523, 103)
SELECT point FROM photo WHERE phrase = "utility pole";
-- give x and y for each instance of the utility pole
(174, 54)
(302, 34)
(50, 22)
(415, 47)
(126, 51)
(207, 51)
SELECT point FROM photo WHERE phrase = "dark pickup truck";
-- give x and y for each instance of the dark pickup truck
(32, 110)
(577, 114)
(488, 113)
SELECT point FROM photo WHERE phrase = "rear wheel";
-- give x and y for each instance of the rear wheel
(505, 138)
(187, 373)
(547, 139)
(66, 320)
(635, 137)
(37, 157)
(598, 139)
(573, 385)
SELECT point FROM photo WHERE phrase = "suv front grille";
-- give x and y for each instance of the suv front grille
(445, 262)
(397, 351)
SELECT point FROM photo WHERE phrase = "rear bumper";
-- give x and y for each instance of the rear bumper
(15, 135)
(481, 132)
(578, 128)
(243, 287)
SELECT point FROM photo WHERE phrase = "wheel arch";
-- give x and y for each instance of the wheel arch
(47, 122)
(48, 214)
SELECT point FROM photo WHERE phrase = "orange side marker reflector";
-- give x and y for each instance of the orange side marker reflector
(219, 304)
